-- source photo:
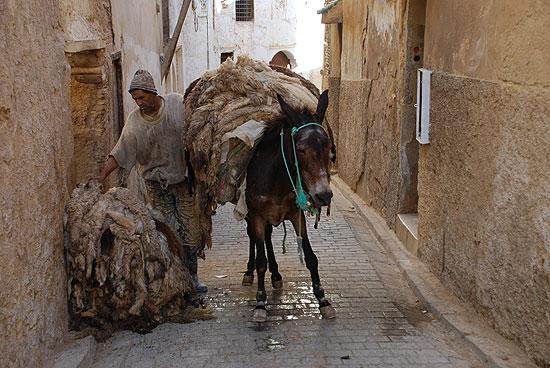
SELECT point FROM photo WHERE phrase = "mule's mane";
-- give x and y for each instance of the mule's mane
(276, 124)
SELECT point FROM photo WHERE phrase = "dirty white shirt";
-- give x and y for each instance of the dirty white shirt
(154, 144)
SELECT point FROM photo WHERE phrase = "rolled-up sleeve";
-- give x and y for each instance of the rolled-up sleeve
(125, 150)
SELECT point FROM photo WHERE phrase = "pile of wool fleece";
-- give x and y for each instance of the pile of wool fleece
(124, 268)
(226, 98)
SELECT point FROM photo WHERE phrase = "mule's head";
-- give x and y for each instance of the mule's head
(312, 149)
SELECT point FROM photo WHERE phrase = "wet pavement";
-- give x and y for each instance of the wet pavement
(379, 322)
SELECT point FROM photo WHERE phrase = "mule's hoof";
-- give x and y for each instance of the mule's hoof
(328, 312)
(248, 280)
(260, 315)
(277, 284)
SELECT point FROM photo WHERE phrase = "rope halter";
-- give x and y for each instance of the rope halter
(301, 197)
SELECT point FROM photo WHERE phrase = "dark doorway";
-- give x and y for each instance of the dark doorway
(226, 55)
(118, 108)
(407, 220)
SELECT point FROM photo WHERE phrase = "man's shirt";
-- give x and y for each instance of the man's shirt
(154, 143)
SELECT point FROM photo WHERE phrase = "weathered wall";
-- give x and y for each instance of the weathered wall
(35, 150)
(368, 131)
(93, 128)
(91, 103)
(484, 182)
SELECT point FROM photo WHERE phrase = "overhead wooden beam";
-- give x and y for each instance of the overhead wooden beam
(170, 47)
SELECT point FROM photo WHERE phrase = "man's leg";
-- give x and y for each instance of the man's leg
(165, 201)
(191, 231)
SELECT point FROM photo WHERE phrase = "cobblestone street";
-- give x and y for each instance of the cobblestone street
(379, 321)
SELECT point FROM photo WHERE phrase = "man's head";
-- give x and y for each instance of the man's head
(143, 91)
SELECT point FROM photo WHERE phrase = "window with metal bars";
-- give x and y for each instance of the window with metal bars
(244, 10)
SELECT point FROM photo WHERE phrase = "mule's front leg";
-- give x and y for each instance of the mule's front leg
(260, 313)
(276, 278)
(312, 264)
(248, 278)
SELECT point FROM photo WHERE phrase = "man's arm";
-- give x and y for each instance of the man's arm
(109, 167)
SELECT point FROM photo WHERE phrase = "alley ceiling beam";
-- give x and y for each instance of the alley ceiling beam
(170, 47)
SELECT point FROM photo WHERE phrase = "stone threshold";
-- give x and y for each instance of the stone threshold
(406, 229)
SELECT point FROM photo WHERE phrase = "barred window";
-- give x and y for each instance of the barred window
(244, 10)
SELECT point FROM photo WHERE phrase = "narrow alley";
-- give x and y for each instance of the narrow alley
(379, 321)
(423, 123)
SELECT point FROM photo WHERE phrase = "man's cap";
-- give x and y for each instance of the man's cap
(143, 80)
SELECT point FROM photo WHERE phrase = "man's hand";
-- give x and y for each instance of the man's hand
(109, 167)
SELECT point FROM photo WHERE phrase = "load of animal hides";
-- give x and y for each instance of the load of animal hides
(125, 267)
(227, 111)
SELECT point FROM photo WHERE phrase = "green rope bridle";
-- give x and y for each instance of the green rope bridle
(301, 197)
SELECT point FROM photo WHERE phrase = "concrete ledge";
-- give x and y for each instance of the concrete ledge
(461, 319)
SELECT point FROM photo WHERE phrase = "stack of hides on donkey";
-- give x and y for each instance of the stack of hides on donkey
(284, 111)
(124, 266)
(237, 95)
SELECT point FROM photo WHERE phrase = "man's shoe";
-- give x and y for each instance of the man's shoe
(199, 286)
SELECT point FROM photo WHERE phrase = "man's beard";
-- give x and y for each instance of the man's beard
(147, 109)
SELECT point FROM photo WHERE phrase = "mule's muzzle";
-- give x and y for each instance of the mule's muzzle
(323, 198)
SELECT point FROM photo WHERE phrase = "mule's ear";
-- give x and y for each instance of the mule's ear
(322, 105)
(289, 112)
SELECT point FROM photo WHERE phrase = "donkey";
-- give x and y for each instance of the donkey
(294, 146)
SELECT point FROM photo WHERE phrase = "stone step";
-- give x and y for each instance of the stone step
(406, 228)
(79, 354)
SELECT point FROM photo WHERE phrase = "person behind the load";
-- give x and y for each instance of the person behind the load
(152, 140)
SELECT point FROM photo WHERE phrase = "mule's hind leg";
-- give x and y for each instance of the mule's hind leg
(276, 278)
(312, 264)
(260, 313)
(248, 278)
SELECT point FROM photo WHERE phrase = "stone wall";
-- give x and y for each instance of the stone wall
(35, 151)
(484, 182)
(368, 126)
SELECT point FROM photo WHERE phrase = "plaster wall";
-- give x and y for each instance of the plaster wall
(484, 182)
(278, 25)
(35, 151)
(137, 33)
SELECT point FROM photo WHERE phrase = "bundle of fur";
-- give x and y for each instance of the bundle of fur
(226, 98)
(124, 267)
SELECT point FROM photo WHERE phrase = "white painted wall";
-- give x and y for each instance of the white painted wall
(137, 30)
(279, 25)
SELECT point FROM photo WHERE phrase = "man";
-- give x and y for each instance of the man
(152, 139)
